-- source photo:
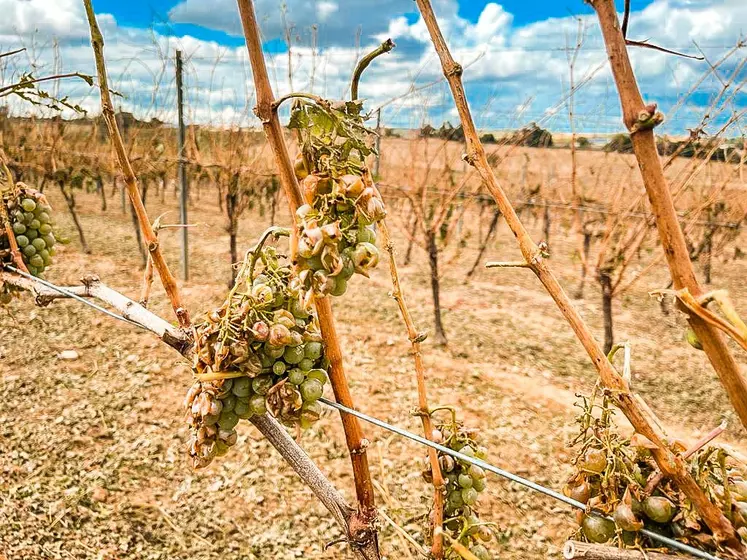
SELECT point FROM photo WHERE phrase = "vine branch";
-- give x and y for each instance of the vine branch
(670, 463)
(363, 63)
(107, 109)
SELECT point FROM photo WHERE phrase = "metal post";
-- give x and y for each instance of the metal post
(182, 170)
(378, 143)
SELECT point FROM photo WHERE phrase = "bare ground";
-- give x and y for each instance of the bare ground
(92, 461)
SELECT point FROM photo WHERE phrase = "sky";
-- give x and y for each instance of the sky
(515, 54)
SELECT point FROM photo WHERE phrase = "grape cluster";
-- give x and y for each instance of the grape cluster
(260, 351)
(613, 476)
(336, 226)
(29, 216)
(464, 483)
(33, 229)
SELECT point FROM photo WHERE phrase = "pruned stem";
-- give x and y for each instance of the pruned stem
(576, 550)
(363, 63)
(107, 109)
(361, 528)
(660, 197)
(424, 410)
(670, 463)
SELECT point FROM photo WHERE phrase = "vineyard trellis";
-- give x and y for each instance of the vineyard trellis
(316, 285)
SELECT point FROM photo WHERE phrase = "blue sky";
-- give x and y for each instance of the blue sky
(514, 52)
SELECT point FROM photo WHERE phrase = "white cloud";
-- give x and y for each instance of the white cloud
(506, 66)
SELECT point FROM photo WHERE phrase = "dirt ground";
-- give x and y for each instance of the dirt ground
(92, 450)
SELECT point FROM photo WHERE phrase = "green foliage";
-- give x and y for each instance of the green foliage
(619, 143)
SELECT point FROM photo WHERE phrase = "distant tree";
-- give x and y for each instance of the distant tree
(619, 143)
(428, 131)
(583, 143)
(488, 138)
(532, 136)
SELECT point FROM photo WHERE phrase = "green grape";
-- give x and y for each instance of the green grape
(365, 235)
(455, 498)
(311, 390)
(310, 413)
(306, 364)
(257, 404)
(242, 408)
(29, 250)
(241, 386)
(278, 368)
(296, 376)
(480, 552)
(37, 261)
(315, 263)
(479, 484)
(221, 448)
(467, 450)
(19, 228)
(465, 481)
(32, 270)
(52, 251)
(39, 244)
(293, 355)
(27, 217)
(227, 420)
(49, 240)
(44, 218)
(22, 241)
(28, 204)
(341, 286)
(298, 310)
(64, 240)
(35, 224)
(273, 352)
(45, 257)
(476, 472)
(262, 384)
(229, 401)
(32, 234)
(18, 215)
(313, 350)
(469, 496)
(319, 374)
(266, 361)
(45, 229)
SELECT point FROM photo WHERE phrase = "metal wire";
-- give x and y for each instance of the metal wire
(671, 543)
(72, 295)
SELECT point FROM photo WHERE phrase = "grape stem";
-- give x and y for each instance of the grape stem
(437, 548)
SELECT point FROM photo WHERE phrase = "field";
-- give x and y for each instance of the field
(92, 449)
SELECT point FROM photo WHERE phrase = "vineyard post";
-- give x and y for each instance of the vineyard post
(639, 415)
(640, 120)
(362, 532)
(184, 195)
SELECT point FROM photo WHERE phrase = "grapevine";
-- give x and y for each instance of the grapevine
(464, 484)
(336, 235)
(617, 476)
(259, 351)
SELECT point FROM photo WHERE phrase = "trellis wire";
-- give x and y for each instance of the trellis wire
(512, 477)
(414, 437)
(72, 295)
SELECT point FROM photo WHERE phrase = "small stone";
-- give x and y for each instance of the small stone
(99, 494)
(68, 355)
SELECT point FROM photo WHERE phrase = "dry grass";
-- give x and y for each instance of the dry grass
(92, 461)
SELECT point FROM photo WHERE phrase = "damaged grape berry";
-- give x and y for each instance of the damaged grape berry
(260, 351)
(618, 477)
(464, 483)
(336, 235)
